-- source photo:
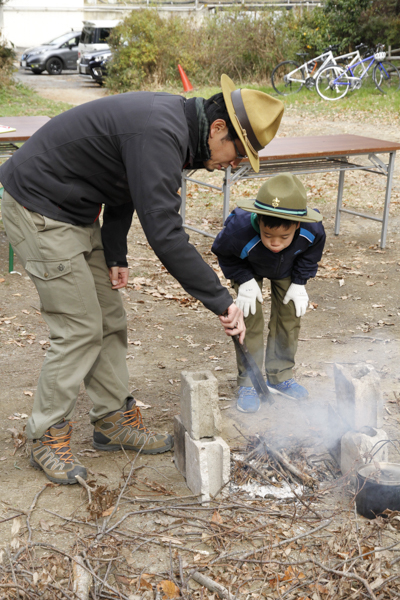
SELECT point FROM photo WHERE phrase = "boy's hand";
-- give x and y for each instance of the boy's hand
(298, 294)
(248, 294)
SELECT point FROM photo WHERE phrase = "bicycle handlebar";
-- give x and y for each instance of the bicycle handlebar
(334, 47)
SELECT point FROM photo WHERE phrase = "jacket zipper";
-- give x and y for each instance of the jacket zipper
(279, 267)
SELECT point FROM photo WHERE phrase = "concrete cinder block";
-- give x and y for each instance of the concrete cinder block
(361, 447)
(359, 396)
(200, 412)
(179, 445)
(207, 465)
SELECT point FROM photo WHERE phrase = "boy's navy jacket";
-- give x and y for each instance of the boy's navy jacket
(242, 256)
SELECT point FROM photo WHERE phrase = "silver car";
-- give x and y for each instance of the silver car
(61, 53)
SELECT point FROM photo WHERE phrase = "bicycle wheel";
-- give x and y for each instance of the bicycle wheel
(332, 83)
(281, 82)
(365, 76)
(386, 77)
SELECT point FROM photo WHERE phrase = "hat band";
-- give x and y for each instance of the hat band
(244, 122)
(301, 212)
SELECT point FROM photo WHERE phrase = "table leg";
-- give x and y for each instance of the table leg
(388, 192)
(226, 190)
(339, 201)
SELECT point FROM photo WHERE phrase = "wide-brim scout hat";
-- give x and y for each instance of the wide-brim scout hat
(254, 115)
(282, 196)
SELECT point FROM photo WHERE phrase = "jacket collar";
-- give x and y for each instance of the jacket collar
(198, 126)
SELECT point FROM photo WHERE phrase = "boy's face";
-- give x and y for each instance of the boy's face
(278, 238)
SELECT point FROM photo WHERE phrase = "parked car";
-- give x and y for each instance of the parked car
(61, 53)
(94, 37)
(95, 65)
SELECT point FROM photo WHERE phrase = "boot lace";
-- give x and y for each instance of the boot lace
(134, 419)
(61, 445)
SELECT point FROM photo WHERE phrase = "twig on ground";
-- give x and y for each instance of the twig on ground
(86, 486)
(107, 519)
(31, 508)
(269, 547)
(211, 585)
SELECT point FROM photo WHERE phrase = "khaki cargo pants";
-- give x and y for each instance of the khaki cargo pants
(284, 328)
(86, 318)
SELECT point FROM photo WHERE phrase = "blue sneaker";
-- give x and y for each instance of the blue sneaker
(248, 400)
(289, 388)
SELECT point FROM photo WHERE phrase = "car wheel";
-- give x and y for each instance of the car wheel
(54, 66)
(37, 71)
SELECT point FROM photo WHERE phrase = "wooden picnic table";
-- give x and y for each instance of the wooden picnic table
(314, 154)
(25, 127)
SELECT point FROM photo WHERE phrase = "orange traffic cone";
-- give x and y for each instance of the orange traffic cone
(187, 86)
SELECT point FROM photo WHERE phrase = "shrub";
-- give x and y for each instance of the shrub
(348, 23)
(7, 57)
(147, 47)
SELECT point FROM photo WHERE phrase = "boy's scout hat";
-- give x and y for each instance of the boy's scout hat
(282, 196)
(254, 115)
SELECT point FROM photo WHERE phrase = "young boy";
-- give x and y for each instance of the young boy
(275, 237)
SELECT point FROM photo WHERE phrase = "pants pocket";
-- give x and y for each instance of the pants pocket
(57, 286)
(11, 220)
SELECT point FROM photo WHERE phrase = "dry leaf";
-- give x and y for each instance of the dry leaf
(28, 393)
(2, 279)
(216, 518)
(141, 404)
(170, 589)
(370, 282)
(182, 359)
(341, 282)
(107, 513)
(44, 525)
(144, 584)
(26, 312)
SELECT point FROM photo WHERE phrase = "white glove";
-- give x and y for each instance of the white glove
(298, 294)
(248, 293)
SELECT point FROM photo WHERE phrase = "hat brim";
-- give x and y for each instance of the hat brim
(312, 216)
(228, 87)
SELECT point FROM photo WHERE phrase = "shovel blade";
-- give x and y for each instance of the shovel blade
(253, 371)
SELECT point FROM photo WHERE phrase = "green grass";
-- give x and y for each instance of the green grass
(19, 101)
(366, 103)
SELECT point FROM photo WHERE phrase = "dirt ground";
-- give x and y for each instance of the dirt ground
(356, 318)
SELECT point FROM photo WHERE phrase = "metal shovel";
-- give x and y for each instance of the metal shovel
(253, 371)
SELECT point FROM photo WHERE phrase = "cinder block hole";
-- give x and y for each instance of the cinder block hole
(199, 377)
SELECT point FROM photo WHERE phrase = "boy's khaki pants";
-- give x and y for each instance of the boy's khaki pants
(284, 328)
(86, 318)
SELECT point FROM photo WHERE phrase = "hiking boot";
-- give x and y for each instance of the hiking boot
(248, 400)
(125, 428)
(52, 454)
(289, 388)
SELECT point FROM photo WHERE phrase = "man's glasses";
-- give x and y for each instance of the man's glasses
(238, 154)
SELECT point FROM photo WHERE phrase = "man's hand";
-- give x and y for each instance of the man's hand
(233, 323)
(248, 294)
(118, 277)
(298, 294)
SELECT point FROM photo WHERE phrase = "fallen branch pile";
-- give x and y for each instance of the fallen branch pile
(310, 547)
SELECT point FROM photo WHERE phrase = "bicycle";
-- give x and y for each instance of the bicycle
(334, 82)
(289, 76)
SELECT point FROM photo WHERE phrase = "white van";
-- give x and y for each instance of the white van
(94, 36)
